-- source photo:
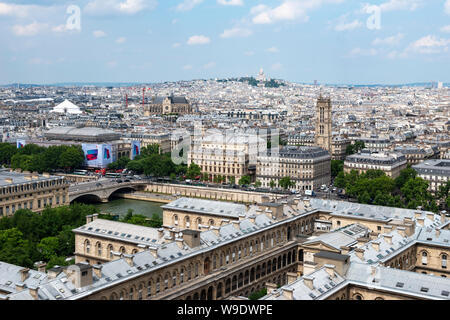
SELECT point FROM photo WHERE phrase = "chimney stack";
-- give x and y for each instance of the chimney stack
(330, 269)
(388, 238)
(154, 251)
(421, 221)
(97, 270)
(345, 250)
(191, 237)
(160, 232)
(20, 286)
(309, 282)
(94, 216)
(129, 259)
(438, 232)
(376, 245)
(89, 218)
(288, 293)
(33, 292)
(40, 265)
(236, 224)
(271, 287)
(402, 231)
(360, 253)
(179, 242)
(291, 277)
(24, 274)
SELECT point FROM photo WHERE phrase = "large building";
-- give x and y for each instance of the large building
(269, 246)
(308, 167)
(25, 190)
(389, 163)
(436, 172)
(167, 105)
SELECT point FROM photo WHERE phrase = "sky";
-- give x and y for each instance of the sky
(331, 41)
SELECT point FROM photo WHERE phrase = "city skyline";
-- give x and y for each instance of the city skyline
(149, 41)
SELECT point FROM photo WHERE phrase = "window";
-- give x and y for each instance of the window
(444, 261)
(424, 258)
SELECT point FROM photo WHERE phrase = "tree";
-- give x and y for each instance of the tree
(7, 150)
(336, 167)
(245, 180)
(258, 294)
(193, 171)
(405, 175)
(272, 184)
(286, 183)
(232, 180)
(72, 158)
(49, 247)
(150, 150)
(14, 249)
(258, 183)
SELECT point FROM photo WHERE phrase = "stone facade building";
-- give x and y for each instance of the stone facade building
(167, 105)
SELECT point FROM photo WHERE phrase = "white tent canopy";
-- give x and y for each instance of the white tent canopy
(67, 107)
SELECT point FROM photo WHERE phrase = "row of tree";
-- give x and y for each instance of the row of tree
(41, 159)
(155, 221)
(405, 191)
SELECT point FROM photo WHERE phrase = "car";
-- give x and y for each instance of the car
(98, 184)
(127, 180)
(119, 181)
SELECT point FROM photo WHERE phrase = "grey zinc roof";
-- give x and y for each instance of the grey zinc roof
(207, 206)
(19, 178)
(342, 237)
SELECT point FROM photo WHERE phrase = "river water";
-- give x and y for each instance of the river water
(120, 207)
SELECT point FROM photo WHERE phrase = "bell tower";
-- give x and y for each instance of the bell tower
(323, 134)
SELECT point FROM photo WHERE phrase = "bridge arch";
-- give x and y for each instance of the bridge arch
(87, 198)
(127, 189)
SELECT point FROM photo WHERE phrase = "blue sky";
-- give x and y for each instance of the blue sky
(332, 41)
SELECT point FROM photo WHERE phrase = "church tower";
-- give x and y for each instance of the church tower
(323, 134)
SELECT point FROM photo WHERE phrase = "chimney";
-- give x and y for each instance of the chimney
(179, 242)
(94, 216)
(129, 259)
(288, 293)
(252, 218)
(360, 253)
(402, 231)
(173, 231)
(89, 218)
(224, 222)
(40, 265)
(191, 237)
(421, 221)
(388, 238)
(362, 241)
(376, 245)
(24, 274)
(216, 230)
(373, 235)
(34, 292)
(417, 214)
(330, 269)
(271, 287)
(438, 232)
(387, 229)
(443, 213)
(242, 217)
(8, 180)
(430, 216)
(34, 176)
(46, 175)
(236, 224)
(20, 286)
(291, 277)
(53, 272)
(154, 251)
(28, 178)
(309, 282)
(345, 250)
(97, 270)
(407, 219)
(161, 232)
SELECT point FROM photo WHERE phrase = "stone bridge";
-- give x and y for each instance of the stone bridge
(101, 190)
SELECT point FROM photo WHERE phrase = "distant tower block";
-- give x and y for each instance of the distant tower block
(323, 134)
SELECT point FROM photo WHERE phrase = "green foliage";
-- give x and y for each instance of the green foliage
(258, 294)
(149, 150)
(154, 222)
(7, 151)
(336, 167)
(193, 171)
(374, 187)
(354, 148)
(245, 180)
(27, 236)
(272, 184)
(119, 164)
(286, 183)
(40, 159)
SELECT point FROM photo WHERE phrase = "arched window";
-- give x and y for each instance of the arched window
(182, 275)
(187, 222)
(140, 292)
(175, 219)
(357, 297)
(87, 246)
(131, 293)
(444, 261)
(424, 258)
(110, 250)
(122, 250)
(99, 249)
(211, 222)
(149, 289)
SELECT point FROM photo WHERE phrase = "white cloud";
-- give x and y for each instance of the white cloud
(445, 29)
(209, 65)
(236, 32)
(231, 2)
(273, 50)
(99, 33)
(14, 10)
(130, 7)
(393, 5)
(447, 7)
(121, 40)
(176, 45)
(288, 10)
(343, 26)
(249, 53)
(187, 5)
(187, 67)
(429, 45)
(31, 29)
(389, 41)
(198, 40)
